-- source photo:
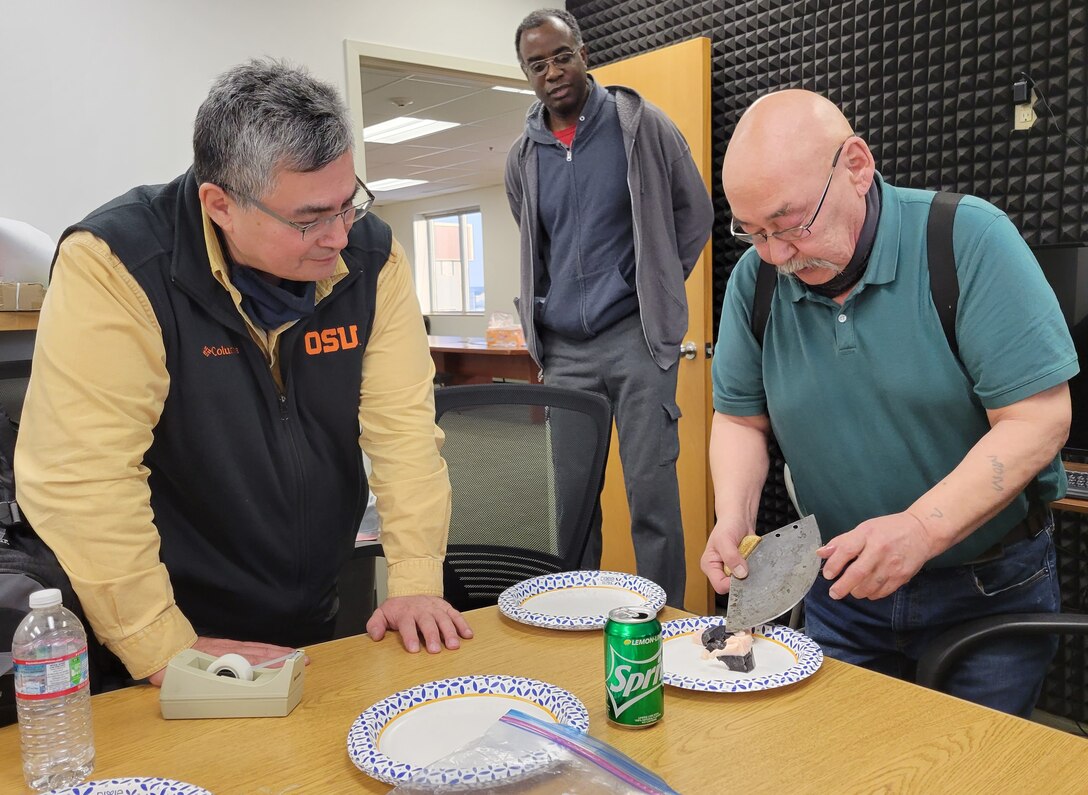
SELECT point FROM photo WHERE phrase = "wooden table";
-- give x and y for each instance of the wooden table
(843, 729)
(469, 360)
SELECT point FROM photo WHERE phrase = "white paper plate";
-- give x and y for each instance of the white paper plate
(140, 785)
(577, 600)
(782, 656)
(397, 737)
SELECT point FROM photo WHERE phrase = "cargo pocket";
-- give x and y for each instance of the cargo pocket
(669, 443)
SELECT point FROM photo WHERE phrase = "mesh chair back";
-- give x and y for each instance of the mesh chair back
(526, 463)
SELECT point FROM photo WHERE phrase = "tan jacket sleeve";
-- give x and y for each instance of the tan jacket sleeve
(396, 415)
(98, 387)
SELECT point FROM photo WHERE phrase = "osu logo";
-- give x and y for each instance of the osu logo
(331, 339)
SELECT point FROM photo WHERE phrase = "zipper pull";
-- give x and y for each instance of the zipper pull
(568, 155)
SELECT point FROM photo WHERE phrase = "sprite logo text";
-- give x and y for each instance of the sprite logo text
(631, 680)
(624, 681)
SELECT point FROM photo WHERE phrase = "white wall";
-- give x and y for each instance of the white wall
(501, 251)
(100, 96)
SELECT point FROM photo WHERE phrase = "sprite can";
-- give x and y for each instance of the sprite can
(632, 667)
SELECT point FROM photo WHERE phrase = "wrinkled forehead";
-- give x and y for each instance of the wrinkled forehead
(768, 184)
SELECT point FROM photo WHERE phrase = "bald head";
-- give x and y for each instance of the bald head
(779, 172)
(783, 136)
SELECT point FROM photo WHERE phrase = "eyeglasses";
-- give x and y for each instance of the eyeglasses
(321, 225)
(794, 232)
(537, 68)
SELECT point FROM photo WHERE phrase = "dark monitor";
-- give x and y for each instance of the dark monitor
(1066, 268)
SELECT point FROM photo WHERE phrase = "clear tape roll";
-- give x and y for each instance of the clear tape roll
(234, 666)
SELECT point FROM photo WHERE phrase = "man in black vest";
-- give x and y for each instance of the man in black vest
(206, 356)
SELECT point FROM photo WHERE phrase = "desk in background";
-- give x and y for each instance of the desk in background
(844, 729)
(469, 360)
(18, 321)
(1072, 503)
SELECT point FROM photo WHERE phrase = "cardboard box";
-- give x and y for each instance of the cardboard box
(21, 296)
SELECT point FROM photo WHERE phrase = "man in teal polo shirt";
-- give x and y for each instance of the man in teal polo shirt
(917, 463)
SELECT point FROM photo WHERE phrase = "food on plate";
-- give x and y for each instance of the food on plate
(732, 648)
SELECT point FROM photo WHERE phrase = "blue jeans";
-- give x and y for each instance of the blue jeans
(889, 635)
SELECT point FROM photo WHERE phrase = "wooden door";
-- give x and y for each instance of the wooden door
(677, 80)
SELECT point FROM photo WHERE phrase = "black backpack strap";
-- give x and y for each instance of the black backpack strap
(944, 285)
(766, 281)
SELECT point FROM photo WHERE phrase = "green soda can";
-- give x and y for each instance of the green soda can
(632, 667)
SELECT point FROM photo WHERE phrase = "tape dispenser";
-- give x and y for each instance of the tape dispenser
(197, 685)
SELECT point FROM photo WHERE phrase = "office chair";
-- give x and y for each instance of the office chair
(526, 463)
(937, 662)
(14, 377)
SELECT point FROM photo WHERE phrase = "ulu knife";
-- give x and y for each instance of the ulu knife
(781, 569)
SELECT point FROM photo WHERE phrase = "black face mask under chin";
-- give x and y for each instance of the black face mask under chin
(268, 304)
(271, 305)
(855, 268)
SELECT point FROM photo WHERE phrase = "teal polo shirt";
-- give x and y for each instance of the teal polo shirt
(867, 401)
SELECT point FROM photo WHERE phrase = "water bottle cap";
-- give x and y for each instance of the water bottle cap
(50, 597)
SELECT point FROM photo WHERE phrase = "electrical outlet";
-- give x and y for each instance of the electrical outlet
(1024, 116)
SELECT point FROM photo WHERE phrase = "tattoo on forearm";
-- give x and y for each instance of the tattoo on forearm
(936, 514)
(997, 479)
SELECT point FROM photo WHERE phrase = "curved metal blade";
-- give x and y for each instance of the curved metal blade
(780, 572)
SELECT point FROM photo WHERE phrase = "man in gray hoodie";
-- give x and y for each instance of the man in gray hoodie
(613, 216)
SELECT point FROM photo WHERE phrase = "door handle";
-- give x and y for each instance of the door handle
(689, 350)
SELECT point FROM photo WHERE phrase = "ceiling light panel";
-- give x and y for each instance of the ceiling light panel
(394, 184)
(403, 128)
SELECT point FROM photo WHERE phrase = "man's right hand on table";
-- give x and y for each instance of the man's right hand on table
(255, 653)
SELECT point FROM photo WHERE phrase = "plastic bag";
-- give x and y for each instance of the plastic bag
(523, 754)
(504, 331)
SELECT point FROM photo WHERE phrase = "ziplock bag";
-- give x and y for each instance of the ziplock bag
(523, 754)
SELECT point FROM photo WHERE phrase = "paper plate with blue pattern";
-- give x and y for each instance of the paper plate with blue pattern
(783, 656)
(577, 600)
(410, 732)
(140, 785)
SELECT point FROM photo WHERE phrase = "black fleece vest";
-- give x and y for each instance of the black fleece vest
(257, 493)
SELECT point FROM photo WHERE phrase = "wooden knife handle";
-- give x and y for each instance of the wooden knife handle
(746, 547)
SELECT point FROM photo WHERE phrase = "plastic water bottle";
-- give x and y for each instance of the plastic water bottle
(52, 694)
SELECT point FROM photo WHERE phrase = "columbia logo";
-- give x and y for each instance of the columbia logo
(221, 350)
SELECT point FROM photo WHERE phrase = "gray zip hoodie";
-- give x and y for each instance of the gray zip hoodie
(672, 219)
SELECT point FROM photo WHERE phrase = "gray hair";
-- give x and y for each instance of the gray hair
(262, 116)
(540, 17)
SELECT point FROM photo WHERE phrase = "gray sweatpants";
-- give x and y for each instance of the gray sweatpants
(618, 365)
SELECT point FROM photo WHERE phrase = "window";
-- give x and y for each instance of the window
(454, 279)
